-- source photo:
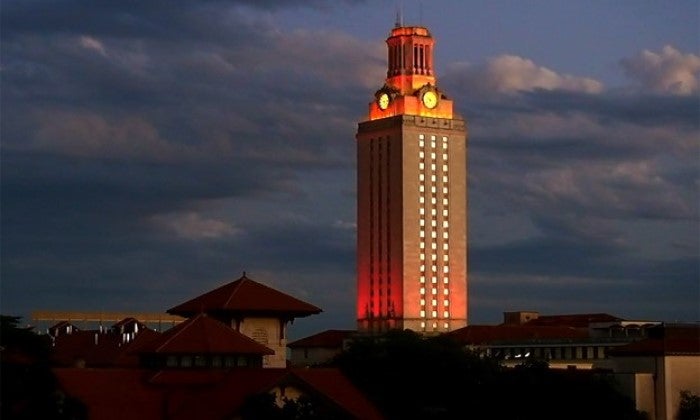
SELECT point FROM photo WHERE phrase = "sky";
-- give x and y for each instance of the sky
(152, 151)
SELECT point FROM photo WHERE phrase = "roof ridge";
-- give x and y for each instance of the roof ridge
(185, 325)
(238, 286)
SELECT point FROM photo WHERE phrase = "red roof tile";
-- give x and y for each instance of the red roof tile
(245, 296)
(328, 338)
(484, 334)
(112, 394)
(96, 348)
(192, 394)
(673, 341)
(332, 384)
(572, 320)
(202, 335)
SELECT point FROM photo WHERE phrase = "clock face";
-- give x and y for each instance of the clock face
(430, 99)
(383, 101)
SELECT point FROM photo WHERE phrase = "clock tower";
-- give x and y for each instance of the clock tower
(411, 198)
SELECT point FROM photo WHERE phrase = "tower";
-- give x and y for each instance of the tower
(411, 198)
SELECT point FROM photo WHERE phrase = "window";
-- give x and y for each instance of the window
(446, 302)
(445, 224)
(433, 189)
(422, 279)
(445, 213)
(421, 154)
(422, 222)
(434, 291)
(444, 156)
(422, 302)
(445, 235)
(445, 202)
(432, 156)
(434, 280)
(444, 178)
(444, 168)
(421, 199)
(422, 234)
(433, 167)
(421, 188)
(422, 314)
(433, 234)
(446, 292)
(421, 211)
(446, 280)
(444, 190)
(434, 314)
(446, 314)
(445, 246)
(446, 269)
(422, 256)
(433, 245)
(421, 166)
(446, 258)
(422, 245)
(422, 290)
(434, 178)
(421, 177)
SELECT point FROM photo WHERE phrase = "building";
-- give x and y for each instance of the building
(572, 341)
(654, 371)
(411, 198)
(319, 348)
(227, 358)
(254, 310)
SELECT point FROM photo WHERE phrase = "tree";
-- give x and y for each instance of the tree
(410, 376)
(29, 388)
(689, 407)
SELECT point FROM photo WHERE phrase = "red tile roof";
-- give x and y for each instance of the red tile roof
(245, 296)
(572, 320)
(203, 335)
(484, 334)
(672, 341)
(96, 348)
(328, 338)
(192, 394)
(332, 384)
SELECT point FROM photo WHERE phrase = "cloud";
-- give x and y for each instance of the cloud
(91, 43)
(668, 71)
(511, 73)
(191, 225)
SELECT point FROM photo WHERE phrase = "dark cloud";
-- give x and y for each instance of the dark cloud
(154, 150)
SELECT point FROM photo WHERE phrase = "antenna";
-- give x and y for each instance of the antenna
(420, 13)
(399, 14)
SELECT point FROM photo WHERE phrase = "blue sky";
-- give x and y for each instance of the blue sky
(152, 151)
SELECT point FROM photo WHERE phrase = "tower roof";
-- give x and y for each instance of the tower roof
(204, 335)
(246, 297)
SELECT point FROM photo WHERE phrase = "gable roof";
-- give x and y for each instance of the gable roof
(328, 338)
(245, 296)
(204, 335)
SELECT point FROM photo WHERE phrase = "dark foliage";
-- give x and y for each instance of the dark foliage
(409, 376)
(263, 406)
(29, 389)
(689, 408)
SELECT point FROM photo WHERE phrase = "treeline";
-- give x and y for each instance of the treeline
(412, 377)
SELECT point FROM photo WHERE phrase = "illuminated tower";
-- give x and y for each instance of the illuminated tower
(411, 198)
